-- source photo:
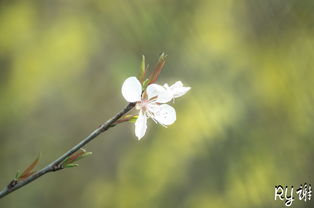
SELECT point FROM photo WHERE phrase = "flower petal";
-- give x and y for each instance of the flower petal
(164, 114)
(176, 85)
(132, 90)
(178, 90)
(140, 125)
(155, 90)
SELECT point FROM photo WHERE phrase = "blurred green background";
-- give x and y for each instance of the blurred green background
(246, 125)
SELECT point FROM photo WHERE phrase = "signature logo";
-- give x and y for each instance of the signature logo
(304, 193)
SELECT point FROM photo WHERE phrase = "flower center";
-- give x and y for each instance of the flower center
(142, 105)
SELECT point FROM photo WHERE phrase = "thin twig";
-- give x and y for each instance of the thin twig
(55, 165)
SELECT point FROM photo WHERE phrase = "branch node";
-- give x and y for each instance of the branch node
(57, 167)
(12, 184)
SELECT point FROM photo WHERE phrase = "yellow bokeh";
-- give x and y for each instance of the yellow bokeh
(245, 126)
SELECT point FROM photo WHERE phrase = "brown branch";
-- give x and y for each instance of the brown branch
(56, 165)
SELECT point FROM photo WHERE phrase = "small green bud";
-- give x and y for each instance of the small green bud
(142, 70)
(71, 165)
(133, 119)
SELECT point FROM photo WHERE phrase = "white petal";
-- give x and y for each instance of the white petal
(164, 114)
(178, 90)
(132, 90)
(176, 85)
(166, 86)
(140, 125)
(155, 90)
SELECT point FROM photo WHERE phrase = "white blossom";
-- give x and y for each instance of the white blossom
(151, 103)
